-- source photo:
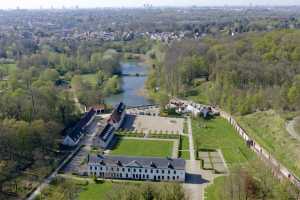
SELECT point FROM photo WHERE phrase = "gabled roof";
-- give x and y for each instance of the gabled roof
(78, 128)
(139, 162)
(117, 112)
(106, 132)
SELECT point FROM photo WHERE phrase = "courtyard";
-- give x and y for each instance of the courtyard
(153, 124)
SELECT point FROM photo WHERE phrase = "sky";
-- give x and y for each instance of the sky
(11, 4)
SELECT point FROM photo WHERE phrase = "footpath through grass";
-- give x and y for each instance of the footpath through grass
(268, 129)
(140, 147)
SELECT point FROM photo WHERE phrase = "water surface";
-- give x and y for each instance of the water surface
(131, 85)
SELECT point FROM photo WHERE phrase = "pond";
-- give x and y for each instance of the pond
(132, 86)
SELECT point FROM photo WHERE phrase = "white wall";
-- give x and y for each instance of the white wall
(179, 175)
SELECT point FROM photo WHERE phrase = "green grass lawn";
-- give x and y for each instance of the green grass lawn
(184, 146)
(132, 147)
(219, 134)
(95, 191)
(297, 126)
(212, 191)
(268, 129)
(90, 78)
(8, 68)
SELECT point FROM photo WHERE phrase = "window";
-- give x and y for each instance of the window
(126, 175)
(112, 169)
(146, 170)
(134, 170)
(101, 168)
(162, 171)
(95, 168)
(177, 177)
(158, 177)
(147, 176)
(128, 170)
(173, 177)
(162, 177)
(140, 170)
(168, 171)
(117, 169)
(91, 168)
(151, 171)
(174, 171)
(123, 169)
(157, 171)
(168, 177)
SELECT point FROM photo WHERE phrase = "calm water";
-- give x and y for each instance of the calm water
(131, 86)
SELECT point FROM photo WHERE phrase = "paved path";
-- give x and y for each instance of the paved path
(191, 142)
(290, 127)
(196, 178)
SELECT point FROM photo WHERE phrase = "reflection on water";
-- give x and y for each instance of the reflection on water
(131, 86)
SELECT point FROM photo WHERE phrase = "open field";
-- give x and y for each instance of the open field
(150, 148)
(268, 129)
(153, 124)
(95, 191)
(90, 78)
(219, 134)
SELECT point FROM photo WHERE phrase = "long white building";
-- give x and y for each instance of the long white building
(137, 168)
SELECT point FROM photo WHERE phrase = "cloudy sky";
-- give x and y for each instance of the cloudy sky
(4, 4)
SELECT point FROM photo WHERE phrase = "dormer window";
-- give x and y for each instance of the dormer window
(152, 164)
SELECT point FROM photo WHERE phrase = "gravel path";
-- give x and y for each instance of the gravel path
(290, 127)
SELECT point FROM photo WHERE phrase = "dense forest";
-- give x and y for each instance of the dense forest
(254, 71)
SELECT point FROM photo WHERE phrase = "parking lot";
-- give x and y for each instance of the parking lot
(153, 124)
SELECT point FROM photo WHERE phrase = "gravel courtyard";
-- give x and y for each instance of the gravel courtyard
(153, 124)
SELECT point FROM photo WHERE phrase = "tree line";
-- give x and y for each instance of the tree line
(254, 71)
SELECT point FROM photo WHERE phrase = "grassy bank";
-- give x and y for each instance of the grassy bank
(268, 129)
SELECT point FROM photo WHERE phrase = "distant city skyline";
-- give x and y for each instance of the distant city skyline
(36, 4)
